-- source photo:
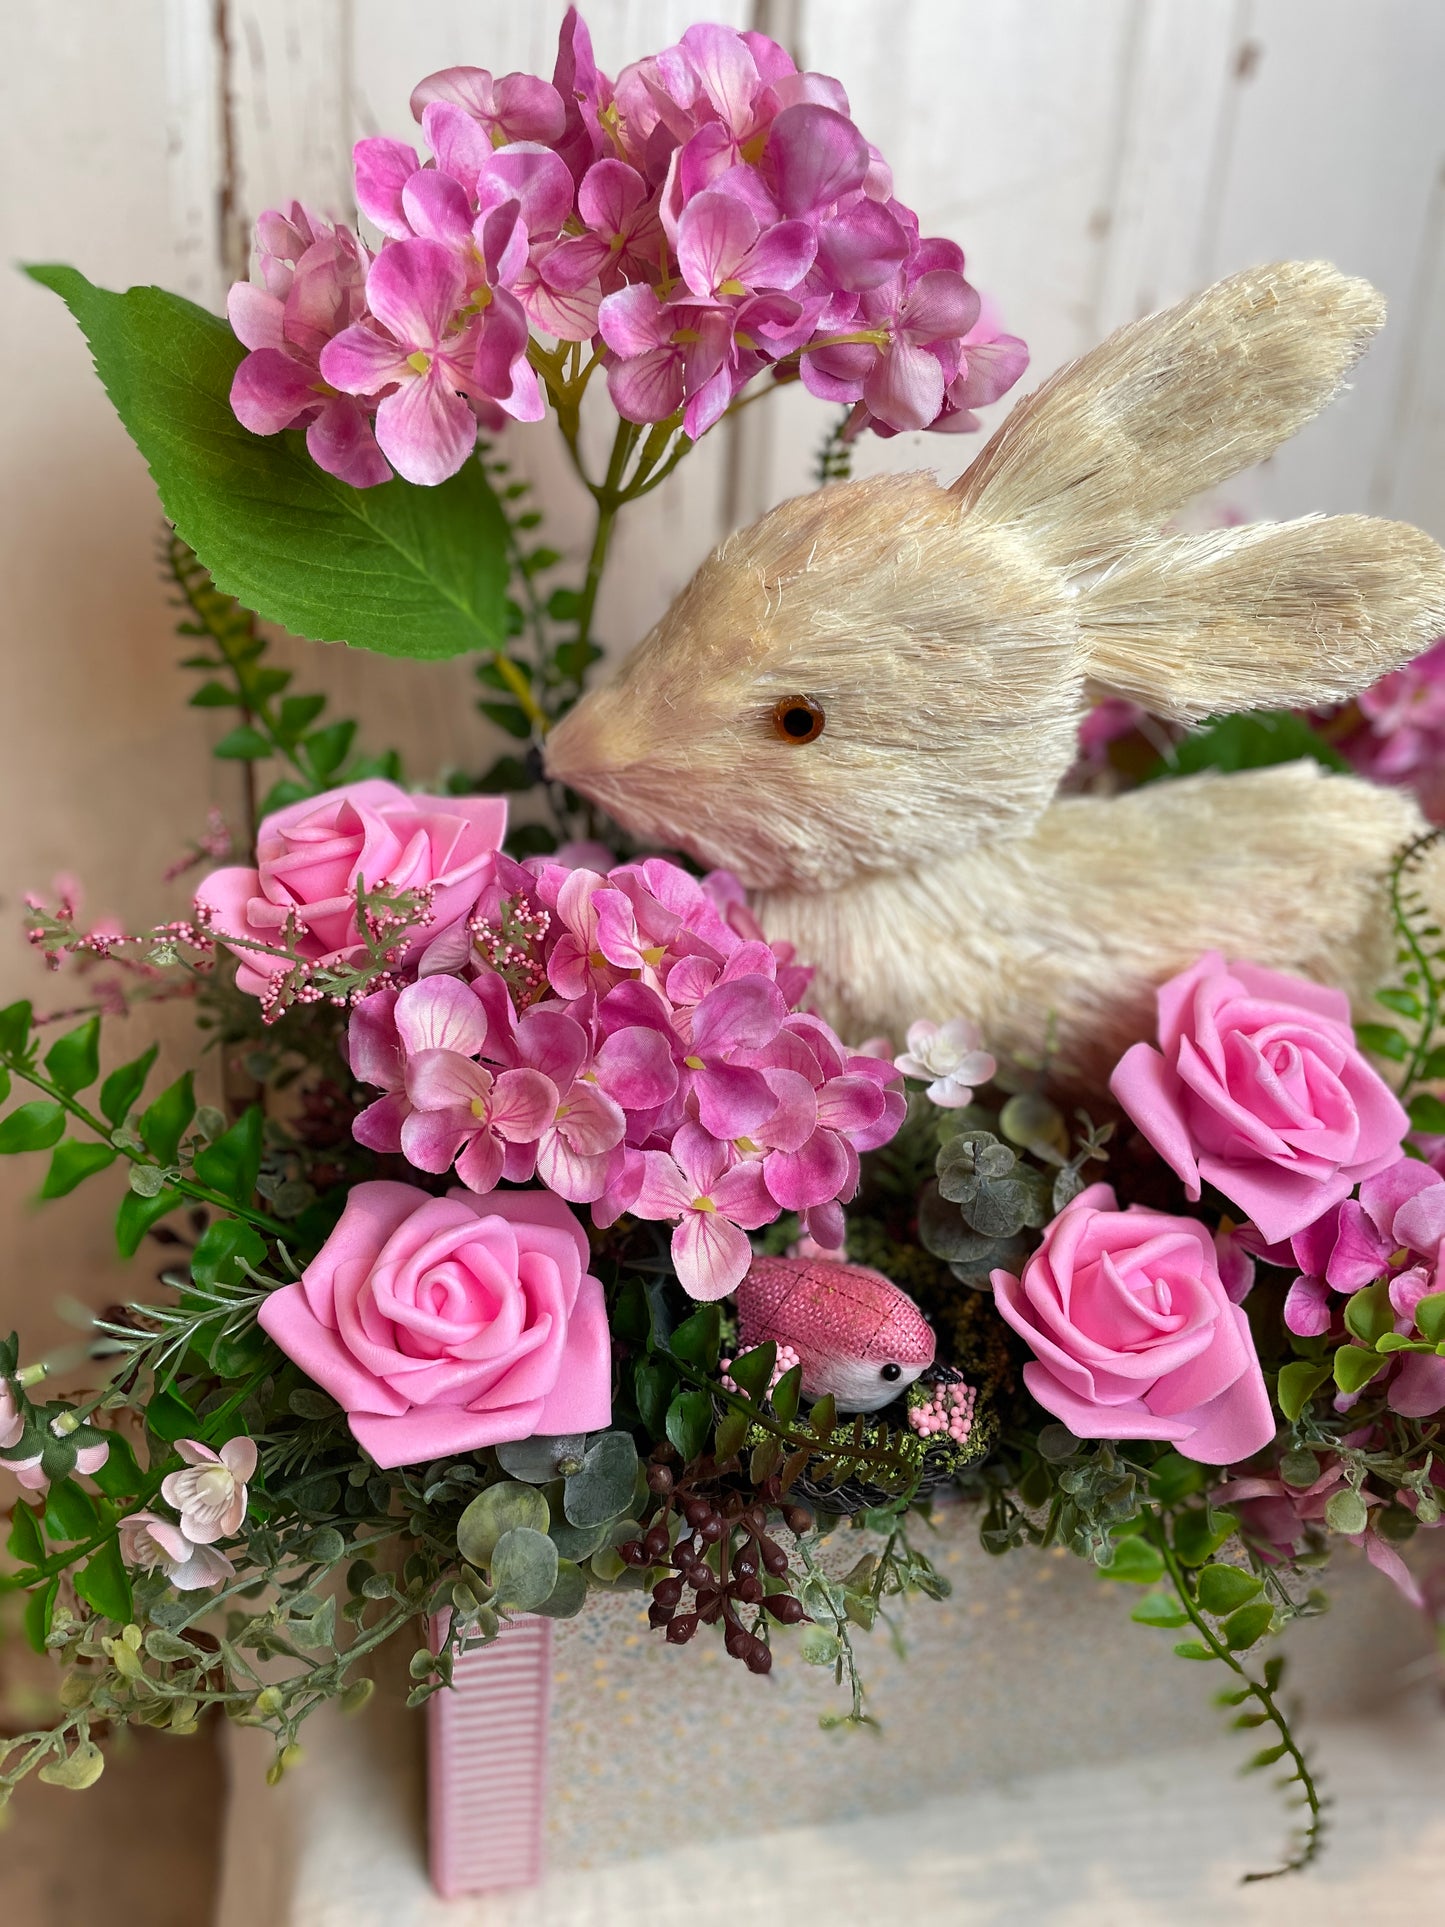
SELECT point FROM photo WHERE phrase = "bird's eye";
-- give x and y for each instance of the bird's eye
(798, 719)
(891, 1372)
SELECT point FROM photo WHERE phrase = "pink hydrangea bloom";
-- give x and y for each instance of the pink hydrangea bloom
(442, 1325)
(1394, 1229)
(312, 854)
(314, 278)
(1259, 1089)
(1402, 738)
(1134, 1335)
(711, 216)
(639, 1051)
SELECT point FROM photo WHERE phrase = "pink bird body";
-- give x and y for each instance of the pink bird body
(856, 1334)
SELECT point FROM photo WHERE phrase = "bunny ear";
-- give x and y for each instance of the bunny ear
(1114, 443)
(1288, 614)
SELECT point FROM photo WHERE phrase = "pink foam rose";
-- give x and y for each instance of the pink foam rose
(1259, 1089)
(1133, 1333)
(441, 1325)
(312, 854)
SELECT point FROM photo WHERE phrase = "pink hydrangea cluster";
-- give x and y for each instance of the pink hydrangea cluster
(629, 1039)
(1401, 738)
(709, 214)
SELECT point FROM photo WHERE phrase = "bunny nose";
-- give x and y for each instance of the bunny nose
(594, 739)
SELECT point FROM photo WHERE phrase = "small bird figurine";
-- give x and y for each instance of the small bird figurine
(856, 1334)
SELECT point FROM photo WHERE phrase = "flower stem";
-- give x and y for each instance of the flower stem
(1260, 1691)
(198, 1193)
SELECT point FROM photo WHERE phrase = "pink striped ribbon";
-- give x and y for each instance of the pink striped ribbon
(487, 1763)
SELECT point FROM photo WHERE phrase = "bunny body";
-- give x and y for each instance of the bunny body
(950, 639)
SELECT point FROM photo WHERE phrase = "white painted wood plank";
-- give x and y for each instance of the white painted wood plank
(1334, 151)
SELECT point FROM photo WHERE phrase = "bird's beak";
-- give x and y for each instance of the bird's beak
(942, 1375)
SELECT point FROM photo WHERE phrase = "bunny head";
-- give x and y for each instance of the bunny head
(860, 677)
(887, 672)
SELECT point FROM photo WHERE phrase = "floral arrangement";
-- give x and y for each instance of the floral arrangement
(542, 1239)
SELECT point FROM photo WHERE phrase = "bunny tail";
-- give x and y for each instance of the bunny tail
(1115, 442)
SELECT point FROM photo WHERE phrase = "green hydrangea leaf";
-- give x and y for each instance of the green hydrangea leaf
(73, 1060)
(32, 1127)
(72, 1162)
(405, 570)
(124, 1085)
(1222, 1589)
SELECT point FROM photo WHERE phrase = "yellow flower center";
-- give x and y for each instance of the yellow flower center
(418, 361)
(653, 957)
(693, 1063)
(703, 1204)
(479, 1107)
(731, 287)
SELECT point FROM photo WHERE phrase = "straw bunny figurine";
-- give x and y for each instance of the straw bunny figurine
(864, 703)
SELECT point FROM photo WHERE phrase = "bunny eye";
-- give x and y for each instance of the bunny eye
(798, 719)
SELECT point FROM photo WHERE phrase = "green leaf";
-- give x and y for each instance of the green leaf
(1173, 1477)
(786, 1393)
(689, 1420)
(1192, 1649)
(696, 1341)
(1249, 1624)
(1254, 741)
(602, 1489)
(508, 716)
(1383, 1040)
(539, 1459)
(1135, 1562)
(243, 744)
(1433, 1070)
(1222, 1589)
(1298, 1383)
(215, 695)
(33, 1127)
(222, 1248)
(39, 1609)
(410, 571)
(525, 1567)
(81, 1767)
(328, 747)
(1430, 1316)
(1369, 1313)
(124, 1085)
(136, 1216)
(69, 1511)
(1346, 1512)
(1427, 1114)
(72, 1162)
(568, 1596)
(1404, 1002)
(731, 1436)
(163, 1124)
(653, 1383)
(1354, 1367)
(494, 1513)
(1198, 1535)
(120, 1477)
(103, 1583)
(298, 713)
(232, 1164)
(73, 1060)
(25, 1542)
(824, 1417)
(15, 1028)
(170, 1418)
(752, 1372)
(1159, 1609)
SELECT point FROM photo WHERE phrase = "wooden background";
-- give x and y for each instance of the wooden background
(1096, 158)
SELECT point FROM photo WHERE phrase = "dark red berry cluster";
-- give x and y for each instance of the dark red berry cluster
(717, 1545)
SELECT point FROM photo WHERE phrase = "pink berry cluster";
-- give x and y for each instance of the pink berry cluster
(709, 215)
(786, 1360)
(948, 1413)
(642, 1051)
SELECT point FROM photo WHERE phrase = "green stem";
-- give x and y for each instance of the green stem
(1415, 1066)
(198, 1193)
(1158, 1537)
